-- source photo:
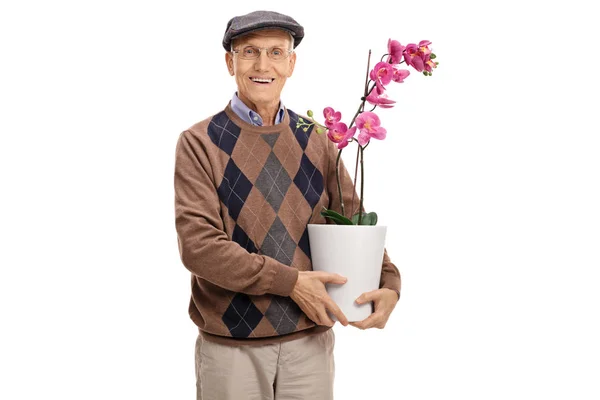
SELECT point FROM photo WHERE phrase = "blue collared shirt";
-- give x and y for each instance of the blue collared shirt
(250, 116)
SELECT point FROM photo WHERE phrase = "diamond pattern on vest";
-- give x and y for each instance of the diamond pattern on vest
(258, 227)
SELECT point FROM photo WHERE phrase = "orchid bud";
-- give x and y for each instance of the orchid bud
(309, 113)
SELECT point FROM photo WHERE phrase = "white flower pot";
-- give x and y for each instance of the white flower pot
(353, 251)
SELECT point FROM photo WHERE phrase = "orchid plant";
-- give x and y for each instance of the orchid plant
(367, 123)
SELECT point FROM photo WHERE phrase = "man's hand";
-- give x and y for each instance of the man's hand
(311, 296)
(385, 300)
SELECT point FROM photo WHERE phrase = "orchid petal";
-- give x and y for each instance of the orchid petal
(395, 50)
(370, 117)
(331, 116)
(350, 133)
(337, 132)
(400, 75)
(363, 138)
(380, 133)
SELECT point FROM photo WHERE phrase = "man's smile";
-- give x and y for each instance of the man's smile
(261, 80)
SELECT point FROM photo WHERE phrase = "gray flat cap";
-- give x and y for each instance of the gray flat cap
(258, 20)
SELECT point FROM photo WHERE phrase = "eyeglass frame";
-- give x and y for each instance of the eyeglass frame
(260, 50)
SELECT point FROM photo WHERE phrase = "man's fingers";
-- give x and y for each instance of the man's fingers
(333, 278)
(324, 318)
(335, 310)
(366, 323)
(359, 325)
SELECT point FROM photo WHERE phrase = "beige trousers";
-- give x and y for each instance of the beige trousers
(299, 369)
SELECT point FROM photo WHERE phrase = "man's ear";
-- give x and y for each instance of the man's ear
(292, 64)
(229, 62)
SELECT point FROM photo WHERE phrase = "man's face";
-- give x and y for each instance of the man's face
(260, 94)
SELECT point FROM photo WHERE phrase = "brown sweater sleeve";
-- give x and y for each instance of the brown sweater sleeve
(390, 276)
(204, 246)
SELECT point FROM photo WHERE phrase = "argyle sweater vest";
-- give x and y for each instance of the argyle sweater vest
(244, 195)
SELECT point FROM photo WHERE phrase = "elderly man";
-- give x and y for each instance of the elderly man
(247, 183)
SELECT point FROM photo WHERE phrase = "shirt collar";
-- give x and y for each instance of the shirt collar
(250, 116)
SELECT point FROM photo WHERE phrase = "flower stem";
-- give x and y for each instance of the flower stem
(367, 80)
(362, 105)
(337, 176)
(368, 90)
(361, 108)
(362, 179)
(355, 173)
(359, 152)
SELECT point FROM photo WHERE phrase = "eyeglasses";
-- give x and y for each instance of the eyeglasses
(253, 52)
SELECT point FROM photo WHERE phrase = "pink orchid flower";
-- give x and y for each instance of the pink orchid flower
(414, 57)
(340, 134)
(424, 47)
(382, 74)
(331, 116)
(369, 125)
(381, 100)
(430, 64)
(419, 56)
(400, 75)
(395, 50)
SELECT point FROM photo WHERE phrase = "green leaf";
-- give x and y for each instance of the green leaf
(371, 219)
(336, 217)
(367, 219)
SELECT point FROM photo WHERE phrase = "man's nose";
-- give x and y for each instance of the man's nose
(262, 62)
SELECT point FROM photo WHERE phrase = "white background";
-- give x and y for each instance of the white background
(488, 182)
